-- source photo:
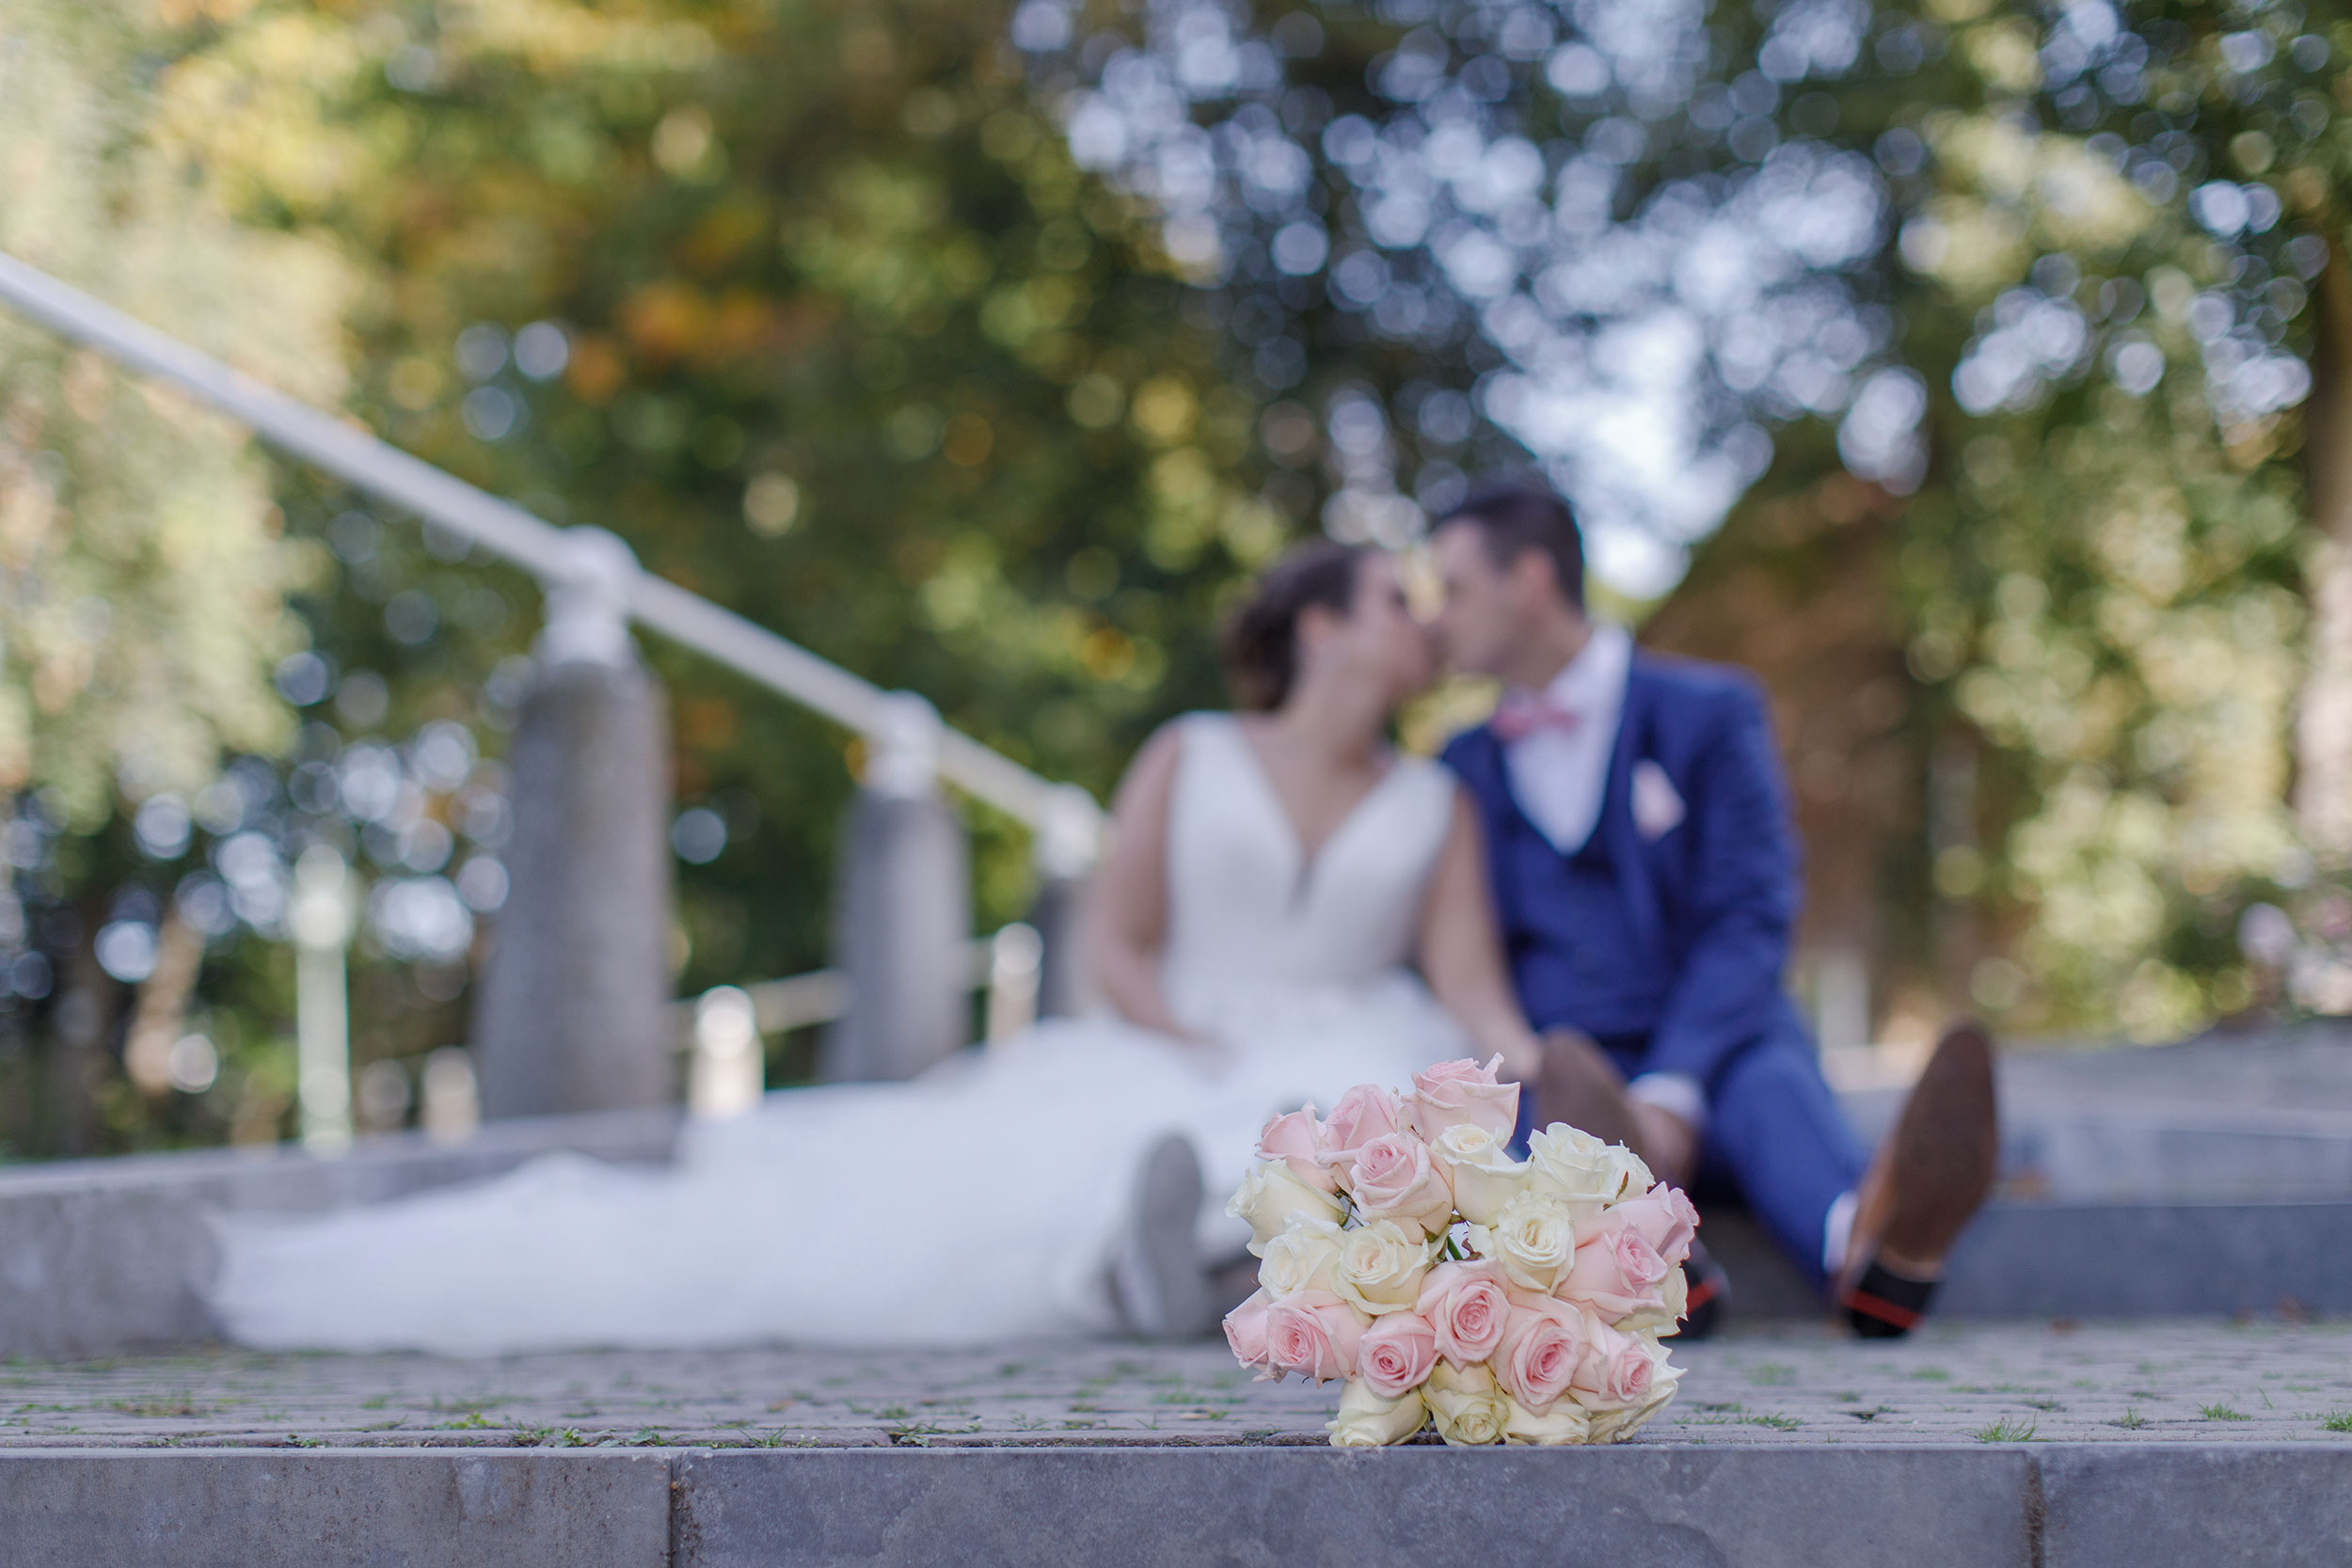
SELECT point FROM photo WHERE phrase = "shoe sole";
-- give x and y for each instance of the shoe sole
(1163, 1287)
(1944, 1149)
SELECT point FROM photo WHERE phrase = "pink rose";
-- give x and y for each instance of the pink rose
(1666, 1219)
(1364, 1112)
(1466, 1305)
(1541, 1349)
(1297, 1140)
(1246, 1331)
(1615, 1270)
(1451, 1093)
(1396, 1354)
(1616, 1371)
(1392, 1177)
(1314, 1334)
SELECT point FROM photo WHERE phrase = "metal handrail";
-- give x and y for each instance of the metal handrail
(359, 458)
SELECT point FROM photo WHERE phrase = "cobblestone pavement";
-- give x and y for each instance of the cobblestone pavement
(2114, 1383)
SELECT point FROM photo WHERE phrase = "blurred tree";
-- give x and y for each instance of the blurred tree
(2043, 273)
(141, 546)
(979, 349)
(809, 303)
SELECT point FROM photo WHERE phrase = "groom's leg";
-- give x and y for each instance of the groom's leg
(1774, 1125)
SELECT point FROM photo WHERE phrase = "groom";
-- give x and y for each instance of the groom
(1644, 877)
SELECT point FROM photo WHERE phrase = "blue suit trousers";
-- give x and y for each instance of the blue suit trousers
(1775, 1141)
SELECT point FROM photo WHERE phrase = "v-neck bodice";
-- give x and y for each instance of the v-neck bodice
(1249, 915)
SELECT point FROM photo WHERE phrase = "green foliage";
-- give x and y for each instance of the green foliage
(144, 572)
(806, 302)
(852, 348)
(2102, 568)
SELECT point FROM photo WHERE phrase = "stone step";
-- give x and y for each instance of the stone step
(103, 1256)
(2213, 1176)
(2053, 1506)
(2215, 1120)
(2095, 1261)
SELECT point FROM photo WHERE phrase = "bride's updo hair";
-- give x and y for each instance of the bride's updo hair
(1262, 639)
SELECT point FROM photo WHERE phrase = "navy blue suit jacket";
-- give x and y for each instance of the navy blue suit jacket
(1688, 942)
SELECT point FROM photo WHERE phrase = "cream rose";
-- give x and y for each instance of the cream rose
(1565, 1422)
(1479, 1169)
(1269, 1197)
(1378, 1267)
(1570, 1162)
(1466, 1404)
(1366, 1420)
(1302, 1258)
(1532, 1239)
(1392, 1177)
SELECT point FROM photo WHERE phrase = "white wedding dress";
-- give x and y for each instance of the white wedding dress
(980, 1201)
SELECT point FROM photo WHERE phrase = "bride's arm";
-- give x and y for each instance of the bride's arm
(1131, 891)
(1461, 955)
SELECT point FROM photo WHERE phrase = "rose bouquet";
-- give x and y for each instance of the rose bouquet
(1402, 1250)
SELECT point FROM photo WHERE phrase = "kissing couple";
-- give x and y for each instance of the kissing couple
(1596, 887)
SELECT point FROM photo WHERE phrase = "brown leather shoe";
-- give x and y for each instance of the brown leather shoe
(1927, 1182)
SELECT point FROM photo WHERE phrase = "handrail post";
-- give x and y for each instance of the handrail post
(572, 1014)
(1064, 848)
(321, 919)
(902, 908)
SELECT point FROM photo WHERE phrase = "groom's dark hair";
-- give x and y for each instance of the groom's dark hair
(1514, 517)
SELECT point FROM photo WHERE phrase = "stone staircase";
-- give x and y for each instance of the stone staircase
(2208, 1178)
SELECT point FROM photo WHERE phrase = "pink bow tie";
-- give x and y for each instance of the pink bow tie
(1520, 714)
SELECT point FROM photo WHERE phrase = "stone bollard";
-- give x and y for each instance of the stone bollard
(573, 1014)
(903, 911)
(1065, 851)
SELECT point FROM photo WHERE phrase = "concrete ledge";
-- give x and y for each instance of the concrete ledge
(1815, 1506)
(2093, 1260)
(1406, 1508)
(96, 1509)
(2151, 1260)
(2154, 1507)
(99, 1257)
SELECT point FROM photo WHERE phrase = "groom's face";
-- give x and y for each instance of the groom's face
(1482, 615)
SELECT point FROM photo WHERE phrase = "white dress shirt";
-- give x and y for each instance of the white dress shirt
(1559, 776)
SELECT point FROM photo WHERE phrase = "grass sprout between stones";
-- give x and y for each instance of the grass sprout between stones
(2223, 1413)
(2010, 1430)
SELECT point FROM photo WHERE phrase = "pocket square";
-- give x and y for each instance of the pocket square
(1657, 808)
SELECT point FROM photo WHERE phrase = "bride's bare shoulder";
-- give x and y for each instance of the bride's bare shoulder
(1153, 772)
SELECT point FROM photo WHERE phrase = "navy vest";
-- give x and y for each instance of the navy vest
(1580, 929)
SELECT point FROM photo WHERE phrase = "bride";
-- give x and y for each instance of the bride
(1272, 875)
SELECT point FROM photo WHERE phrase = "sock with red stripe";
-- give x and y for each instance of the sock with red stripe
(1883, 1304)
